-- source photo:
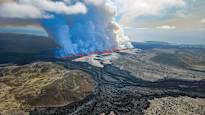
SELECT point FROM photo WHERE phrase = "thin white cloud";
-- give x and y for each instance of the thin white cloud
(202, 29)
(132, 28)
(15, 10)
(203, 21)
(130, 9)
(167, 27)
(39, 9)
(144, 28)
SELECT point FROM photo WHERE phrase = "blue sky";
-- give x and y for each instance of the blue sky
(175, 21)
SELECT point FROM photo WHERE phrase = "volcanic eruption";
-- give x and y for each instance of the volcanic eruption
(79, 27)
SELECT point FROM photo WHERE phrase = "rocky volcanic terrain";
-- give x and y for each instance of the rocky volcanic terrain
(176, 106)
(134, 84)
(41, 84)
(118, 92)
(141, 66)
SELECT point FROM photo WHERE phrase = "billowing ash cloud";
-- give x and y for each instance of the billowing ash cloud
(78, 26)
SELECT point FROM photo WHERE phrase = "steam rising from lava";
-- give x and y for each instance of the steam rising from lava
(79, 26)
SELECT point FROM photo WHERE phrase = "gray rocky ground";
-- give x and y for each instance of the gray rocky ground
(140, 65)
(176, 106)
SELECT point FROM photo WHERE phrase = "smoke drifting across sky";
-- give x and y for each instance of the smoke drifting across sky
(78, 26)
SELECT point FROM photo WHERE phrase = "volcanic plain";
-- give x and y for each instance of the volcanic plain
(150, 81)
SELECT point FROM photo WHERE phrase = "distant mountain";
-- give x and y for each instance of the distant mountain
(21, 43)
(158, 44)
(151, 45)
